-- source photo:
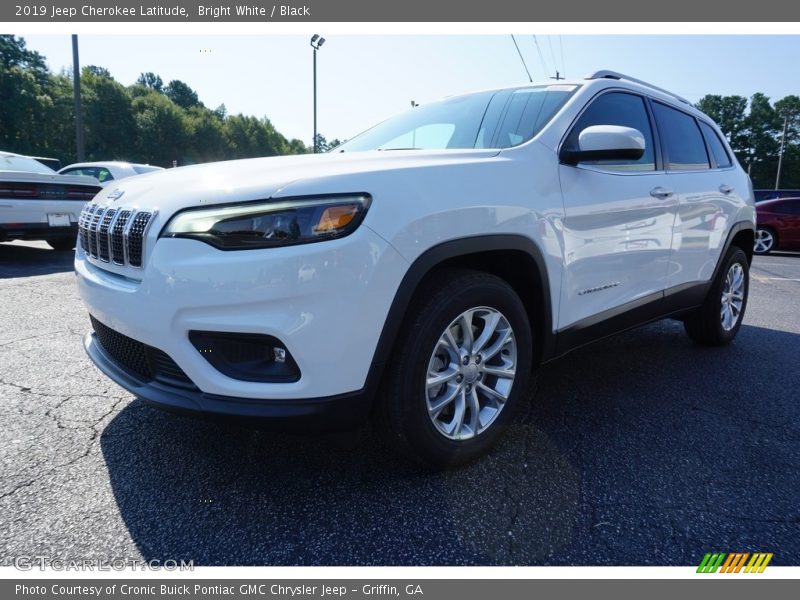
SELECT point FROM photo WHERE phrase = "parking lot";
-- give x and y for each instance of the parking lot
(641, 449)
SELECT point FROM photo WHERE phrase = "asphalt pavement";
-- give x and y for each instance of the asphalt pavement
(643, 449)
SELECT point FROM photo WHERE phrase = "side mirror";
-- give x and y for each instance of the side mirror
(605, 142)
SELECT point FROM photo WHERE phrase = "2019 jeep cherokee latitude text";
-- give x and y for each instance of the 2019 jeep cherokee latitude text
(421, 271)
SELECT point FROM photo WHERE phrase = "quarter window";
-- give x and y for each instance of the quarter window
(683, 141)
(717, 147)
(625, 110)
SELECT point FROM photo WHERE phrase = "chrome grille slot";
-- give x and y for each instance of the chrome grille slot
(102, 234)
(135, 237)
(93, 224)
(83, 222)
(117, 240)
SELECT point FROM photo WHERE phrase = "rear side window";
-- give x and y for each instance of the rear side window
(686, 150)
(622, 109)
(717, 147)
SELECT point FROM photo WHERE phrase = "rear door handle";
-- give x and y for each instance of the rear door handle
(725, 188)
(661, 193)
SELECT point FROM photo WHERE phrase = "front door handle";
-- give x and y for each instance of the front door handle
(661, 193)
(725, 188)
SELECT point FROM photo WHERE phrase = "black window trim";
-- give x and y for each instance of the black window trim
(660, 165)
(709, 154)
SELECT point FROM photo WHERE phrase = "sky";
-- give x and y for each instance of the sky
(364, 79)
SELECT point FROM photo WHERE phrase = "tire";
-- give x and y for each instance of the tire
(62, 244)
(711, 324)
(406, 415)
(766, 241)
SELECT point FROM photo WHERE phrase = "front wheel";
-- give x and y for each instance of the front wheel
(459, 371)
(717, 321)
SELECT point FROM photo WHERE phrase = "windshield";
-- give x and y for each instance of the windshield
(9, 162)
(483, 120)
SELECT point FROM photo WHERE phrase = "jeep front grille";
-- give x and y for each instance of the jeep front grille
(114, 235)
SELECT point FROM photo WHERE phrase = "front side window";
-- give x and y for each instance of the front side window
(483, 120)
(683, 142)
(624, 110)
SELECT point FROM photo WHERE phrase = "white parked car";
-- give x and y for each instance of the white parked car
(421, 271)
(38, 204)
(106, 172)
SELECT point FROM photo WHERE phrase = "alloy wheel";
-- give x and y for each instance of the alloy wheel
(764, 241)
(470, 373)
(732, 297)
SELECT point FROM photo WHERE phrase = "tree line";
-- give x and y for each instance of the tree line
(755, 130)
(156, 122)
(150, 121)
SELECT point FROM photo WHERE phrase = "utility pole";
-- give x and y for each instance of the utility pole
(76, 88)
(783, 146)
(557, 77)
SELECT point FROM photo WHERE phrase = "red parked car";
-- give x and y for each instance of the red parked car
(777, 225)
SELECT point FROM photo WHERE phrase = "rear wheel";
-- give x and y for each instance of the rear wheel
(718, 320)
(765, 241)
(62, 244)
(459, 371)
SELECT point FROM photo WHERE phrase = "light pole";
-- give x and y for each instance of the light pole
(316, 44)
(783, 146)
(76, 90)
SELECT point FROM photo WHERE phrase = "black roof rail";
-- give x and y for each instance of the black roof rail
(604, 74)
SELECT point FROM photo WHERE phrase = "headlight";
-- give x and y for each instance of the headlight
(266, 224)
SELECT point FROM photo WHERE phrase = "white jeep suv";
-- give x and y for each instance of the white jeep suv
(420, 272)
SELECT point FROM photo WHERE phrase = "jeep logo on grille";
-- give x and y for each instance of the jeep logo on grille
(115, 194)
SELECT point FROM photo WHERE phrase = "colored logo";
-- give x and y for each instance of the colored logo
(734, 562)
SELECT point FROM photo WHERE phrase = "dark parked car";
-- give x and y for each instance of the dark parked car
(764, 195)
(778, 225)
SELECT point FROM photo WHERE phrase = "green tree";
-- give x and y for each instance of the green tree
(206, 131)
(25, 88)
(250, 137)
(730, 113)
(152, 81)
(181, 94)
(762, 126)
(788, 111)
(323, 145)
(161, 130)
(107, 115)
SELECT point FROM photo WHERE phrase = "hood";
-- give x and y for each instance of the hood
(274, 177)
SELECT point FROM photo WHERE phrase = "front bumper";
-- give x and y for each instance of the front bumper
(334, 413)
(326, 303)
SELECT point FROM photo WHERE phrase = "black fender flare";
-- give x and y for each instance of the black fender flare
(436, 255)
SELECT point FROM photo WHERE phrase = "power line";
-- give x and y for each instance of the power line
(513, 39)
(541, 58)
(552, 54)
(563, 66)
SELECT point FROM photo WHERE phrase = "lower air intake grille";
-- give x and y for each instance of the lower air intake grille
(150, 364)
